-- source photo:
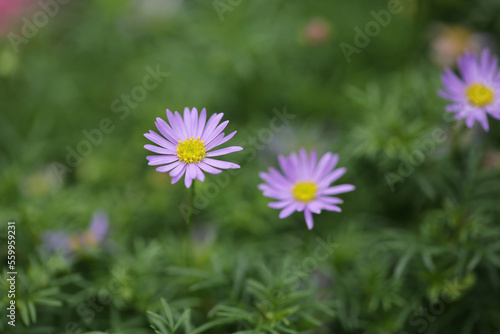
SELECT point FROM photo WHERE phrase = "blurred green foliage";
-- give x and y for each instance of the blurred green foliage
(418, 255)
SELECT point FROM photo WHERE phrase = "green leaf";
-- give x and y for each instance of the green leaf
(48, 302)
(210, 324)
(23, 310)
(32, 311)
(160, 319)
(184, 316)
(168, 312)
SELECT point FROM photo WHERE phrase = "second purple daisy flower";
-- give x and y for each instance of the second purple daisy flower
(477, 92)
(304, 184)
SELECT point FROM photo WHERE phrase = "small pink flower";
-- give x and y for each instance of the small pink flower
(11, 11)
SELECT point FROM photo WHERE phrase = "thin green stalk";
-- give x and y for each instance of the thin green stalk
(189, 221)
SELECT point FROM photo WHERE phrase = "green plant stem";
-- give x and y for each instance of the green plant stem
(306, 240)
(189, 221)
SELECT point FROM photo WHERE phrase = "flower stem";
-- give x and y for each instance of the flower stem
(189, 220)
(191, 205)
(306, 240)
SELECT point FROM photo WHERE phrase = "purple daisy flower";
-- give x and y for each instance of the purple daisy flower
(304, 184)
(477, 93)
(187, 143)
(66, 244)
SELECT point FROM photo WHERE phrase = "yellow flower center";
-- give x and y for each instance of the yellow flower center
(304, 191)
(191, 150)
(74, 243)
(90, 239)
(480, 95)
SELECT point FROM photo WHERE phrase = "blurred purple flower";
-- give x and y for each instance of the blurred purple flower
(56, 242)
(66, 244)
(477, 93)
(98, 228)
(186, 144)
(304, 184)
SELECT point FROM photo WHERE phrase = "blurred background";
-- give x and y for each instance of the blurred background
(101, 237)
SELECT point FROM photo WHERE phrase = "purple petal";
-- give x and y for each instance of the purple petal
(166, 130)
(220, 140)
(178, 170)
(208, 169)
(211, 124)
(275, 182)
(155, 160)
(167, 168)
(309, 219)
(452, 82)
(220, 164)
(181, 125)
(288, 210)
(287, 168)
(274, 193)
(483, 120)
(175, 127)
(157, 139)
(276, 178)
(330, 207)
(280, 204)
(199, 174)
(332, 177)
(343, 188)
(300, 206)
(223, 151)
(179, 176)
(327, 162)
(209, 137)
(190, 175)
(157, 149)
(330, 200)
(276, 186)
(315, 206)
(99, 225)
